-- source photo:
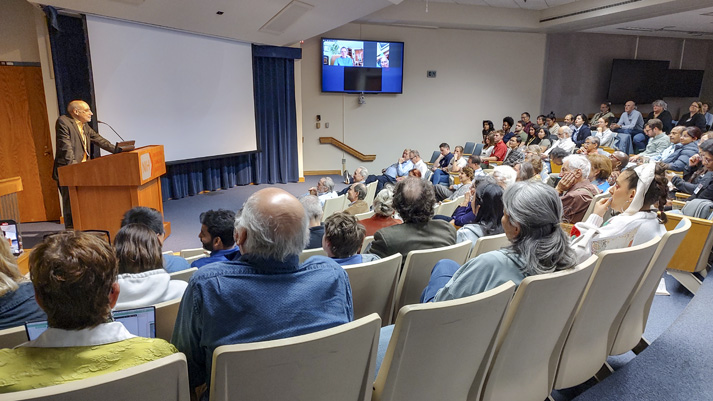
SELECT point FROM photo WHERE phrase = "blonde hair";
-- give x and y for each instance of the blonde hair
(9, 273)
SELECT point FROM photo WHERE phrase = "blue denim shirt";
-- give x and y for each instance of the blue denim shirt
(222, 255)
(255, 299)
(19, 306)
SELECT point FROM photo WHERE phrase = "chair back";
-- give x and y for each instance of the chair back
(12, 337)
(162, 379)
(447, 208)
(468, 148)
(332, 364)
(692, 255)
(478, 149)
(166, 313)
(333, 205)
(533, 331)
(453, 339)
(417, 270)
(434, 156)
(610, 289)
(370, 193)
(593, 202)
(308, 253)
(632, 321)
(555, 168)
(187, 253)
(190, 259)
(365, 215)
(489, 243)
(374, 286)
(183, 275)
(367, 241)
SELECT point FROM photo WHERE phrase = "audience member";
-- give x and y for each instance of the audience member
(450, 193)
(619, 160)
(359, 176)
(418, 163)
(413, 173)
(542, 139)
(575, 190)
(552, 125)
(526, 172)
(630, 123)
(508, 122)
(556, 158)
(488, 127)
(515, 154)
(324, 190)
(465, 211)
(564, 141)
(17, 296)
(531, 221)
(677, 155)
(440, 166)
(142, 280)
(591, 147)
(694, 118)
(541, 120)
(383, 213)
(637, 195)
(247, 300)
(153, 219)
(606, 137)
(519, 131)
(658, 142)
(600, 171)
(356, 195)
(458, 161)
(704, 188)
(474, 162)
(499, 151)
(74, 276)
(659, 112)
(604, 113)
(343, 238)
(314, 212)
(569, 121)
(413, 200)
(705, 110)
(489, 145)
(532, 137)
(526, 123)
(487, 207)
(217, 236)
(504, 175)
(581, 130)
(390, 174)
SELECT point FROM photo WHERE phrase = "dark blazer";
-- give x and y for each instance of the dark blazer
(698, 120)
(666, 120)
(407, 237)
(69, 143)
(678, 160)
(580, 136)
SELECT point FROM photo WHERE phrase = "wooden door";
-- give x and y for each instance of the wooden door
(25, 143)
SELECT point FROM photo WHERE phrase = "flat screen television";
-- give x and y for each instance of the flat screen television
(642, 81)
(362, 66)
(684, 83)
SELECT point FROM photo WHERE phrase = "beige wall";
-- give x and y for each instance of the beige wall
(480, 75)
(18, 38)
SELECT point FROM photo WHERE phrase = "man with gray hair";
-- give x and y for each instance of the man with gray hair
(359, 176)
(574, 188)
(266, 294)
(324, 190)
(314, 214)
(564, 141)
(356, 195)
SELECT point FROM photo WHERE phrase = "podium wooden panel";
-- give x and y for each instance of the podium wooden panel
(9, 208)
(102, 190)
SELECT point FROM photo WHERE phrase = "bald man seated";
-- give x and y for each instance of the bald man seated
(264, 295)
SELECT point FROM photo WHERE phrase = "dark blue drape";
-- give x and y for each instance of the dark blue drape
(276, 125)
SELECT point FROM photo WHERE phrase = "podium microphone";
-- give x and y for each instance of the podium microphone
(117, 134)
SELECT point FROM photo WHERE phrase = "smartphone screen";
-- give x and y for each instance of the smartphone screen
(10, 233)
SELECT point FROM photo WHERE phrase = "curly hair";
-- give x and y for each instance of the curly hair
(414, 200)
(344, 234)
(73, 273)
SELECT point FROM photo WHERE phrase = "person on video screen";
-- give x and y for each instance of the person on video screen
(344, 60)
(384, 62)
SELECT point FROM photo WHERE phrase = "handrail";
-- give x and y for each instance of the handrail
(341, 145)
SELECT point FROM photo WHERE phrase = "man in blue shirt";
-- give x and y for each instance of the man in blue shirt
(399, 169)
(630, 123)
(217, 236)
(344, 60)
(153, 219)
(266, 294)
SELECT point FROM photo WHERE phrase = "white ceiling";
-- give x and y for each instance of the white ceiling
(243, 19)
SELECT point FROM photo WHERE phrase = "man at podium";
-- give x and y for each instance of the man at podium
(73, 139)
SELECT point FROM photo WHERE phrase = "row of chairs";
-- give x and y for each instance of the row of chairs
(555, 332)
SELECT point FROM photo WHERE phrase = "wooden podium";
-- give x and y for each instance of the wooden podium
(102, 190)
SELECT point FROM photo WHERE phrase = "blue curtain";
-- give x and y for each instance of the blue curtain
(276, 125)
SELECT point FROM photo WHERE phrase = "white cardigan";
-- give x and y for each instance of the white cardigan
(137, 290)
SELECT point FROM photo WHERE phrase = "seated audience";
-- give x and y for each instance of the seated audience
(343, 238)
(705, 109)
(677, 155)
(418, 164)
(413, 200)
(658, 142)
(604, 113)
(575, 190)
(449, 193)
(390, 174)
(17, 296)
(694, 118)
(659, 112)
(531, 221)
(217, 237)
(465, 212)
(383, 213)
(526, 172)
(600, 171)
(440, 166)
(515, 154)
(526, 122)
(504, 175)
(542, 139)
(356, 195)
(568, 121)
(324, 190)
(508, 122)
(552, 126)
(153, 219)
(488, 127)
(474, 162)
(606, 137)
(142, 280)
(499, 151)
(591, 147)
(540, 121)
(489, 145)
(266, 294)
(704, 188)
(74, 276)
(564, 141)
(581, 130)
(314, 211)
(519, 131)
(458, 161)
(359, 176)
(556, 158)
(630, 123)
(637, 197)
(487, 207)
(619, 161)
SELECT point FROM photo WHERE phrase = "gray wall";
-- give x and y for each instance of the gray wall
(578, 68)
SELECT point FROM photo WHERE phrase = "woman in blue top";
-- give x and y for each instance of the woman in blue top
(17, 295)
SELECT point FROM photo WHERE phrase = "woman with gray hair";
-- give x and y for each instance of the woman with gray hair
(383, 212)
(660, 112)
(531, 221)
